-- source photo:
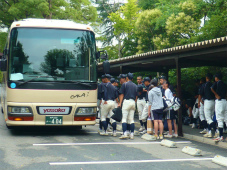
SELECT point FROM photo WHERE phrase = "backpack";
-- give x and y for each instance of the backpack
(117, 114)
(176, 103)
(166, 103)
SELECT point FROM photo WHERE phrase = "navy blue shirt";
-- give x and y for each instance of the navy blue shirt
(162, 90)
(142, 94)
(206, 91)
(129, 89)
(220, 88)
(101, 90)
(110, 92)
(147, 88)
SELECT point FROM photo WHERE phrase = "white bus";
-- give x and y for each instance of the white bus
(49, 74)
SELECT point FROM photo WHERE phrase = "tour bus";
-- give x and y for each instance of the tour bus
(49, 74)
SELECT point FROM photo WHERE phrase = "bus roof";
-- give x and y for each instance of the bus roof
(50, 23)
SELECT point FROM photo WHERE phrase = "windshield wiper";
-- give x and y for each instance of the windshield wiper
(77, 82)
(21, 83)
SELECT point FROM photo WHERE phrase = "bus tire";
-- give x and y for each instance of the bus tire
(10, 127)
(78, 128)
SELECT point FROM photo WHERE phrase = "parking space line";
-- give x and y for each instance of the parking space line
(130, 161)
(104, 143)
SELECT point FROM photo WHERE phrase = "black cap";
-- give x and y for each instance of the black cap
(122, 76)
(218, 75)
(162, 77)
(108, 76)
(112, 80)
(146, 79)
(209, 75)
(140, 88)
(103, 76)
(130, 75)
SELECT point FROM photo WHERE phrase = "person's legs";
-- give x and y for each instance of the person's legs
(156, 127)
(209, 112)
(125, 112)
(175, 126)
(160, 124)
(220, 113)
(169, 122)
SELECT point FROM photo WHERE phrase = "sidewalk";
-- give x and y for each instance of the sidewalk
(193, 134)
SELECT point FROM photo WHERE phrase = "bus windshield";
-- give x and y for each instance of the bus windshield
(42, 54)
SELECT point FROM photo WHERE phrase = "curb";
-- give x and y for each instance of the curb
(205, 140)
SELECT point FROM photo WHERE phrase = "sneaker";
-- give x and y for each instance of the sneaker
(168, 136)
(216, 134)
(114, 134)
(204, 131)
(141, 129)
(208, 135)
(131, 136)
(103, 133)
(156, 136)
(99, 131)
(123, 137)
(145, 131)
(193, 125)
(160, 136)
(219, 139)
(175, 135)
(165, 133)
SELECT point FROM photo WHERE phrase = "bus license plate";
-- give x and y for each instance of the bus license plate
(53, 120)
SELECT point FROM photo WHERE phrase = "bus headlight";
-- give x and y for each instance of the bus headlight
(20, 113)
(19, 109)
(86, 111)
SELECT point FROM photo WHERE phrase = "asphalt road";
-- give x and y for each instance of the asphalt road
(86, 150)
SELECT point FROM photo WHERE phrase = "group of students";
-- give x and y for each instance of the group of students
(146, 95)
(211, 99)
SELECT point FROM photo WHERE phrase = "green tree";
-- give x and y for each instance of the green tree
(124, 24)
(147, 27)
(76, 10)
(105, 7)
(3, 37)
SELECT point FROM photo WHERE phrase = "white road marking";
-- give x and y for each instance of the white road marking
(104, 143)
(130, 161)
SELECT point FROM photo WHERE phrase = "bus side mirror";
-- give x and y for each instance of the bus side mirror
(106, 67)
(104, 56)
(97, 55)
(5, 52)
(3, 64)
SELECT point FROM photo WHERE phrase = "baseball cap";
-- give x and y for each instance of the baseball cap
(146, 79)
(139, 88)
(218, 75)
(209, 75)
(112, 80)
(130, 75)
(117, 81)
(108, 76)
(162, 77)
(122, 76)
(103, 76)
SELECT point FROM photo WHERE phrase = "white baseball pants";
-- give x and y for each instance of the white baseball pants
(128, 110)
(221, 116)
(106, 110)
(209, 110)
(140, 106)
(201, 112)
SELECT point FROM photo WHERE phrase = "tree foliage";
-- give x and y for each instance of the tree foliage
(76, 10)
